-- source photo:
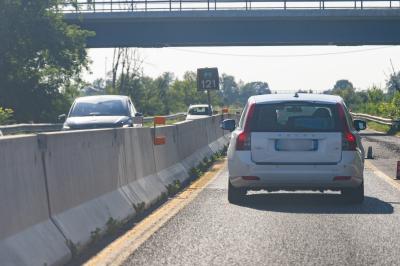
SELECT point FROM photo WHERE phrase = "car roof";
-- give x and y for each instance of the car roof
(99, 98)
(296, 97)
(198, 105)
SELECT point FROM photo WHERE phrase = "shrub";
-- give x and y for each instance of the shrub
(5, 116)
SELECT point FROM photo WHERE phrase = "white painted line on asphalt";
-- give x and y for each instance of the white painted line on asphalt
(382, 175)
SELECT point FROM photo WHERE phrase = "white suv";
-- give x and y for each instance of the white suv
(295, 142)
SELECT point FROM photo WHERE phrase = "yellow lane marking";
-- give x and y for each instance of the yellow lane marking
(118, 251)
(382, 175)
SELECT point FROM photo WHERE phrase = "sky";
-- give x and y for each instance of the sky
(285, 68)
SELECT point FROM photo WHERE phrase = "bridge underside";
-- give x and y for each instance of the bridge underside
(241, 28)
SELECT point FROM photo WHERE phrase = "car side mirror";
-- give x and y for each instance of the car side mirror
(228, 124)
(62, 118)
(360, 125)
(138, 114)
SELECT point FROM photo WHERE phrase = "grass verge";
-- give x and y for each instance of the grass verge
(382, 128)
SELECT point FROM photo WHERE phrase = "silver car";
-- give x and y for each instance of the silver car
(295, 142)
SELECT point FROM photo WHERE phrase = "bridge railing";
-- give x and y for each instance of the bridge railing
(85, 6)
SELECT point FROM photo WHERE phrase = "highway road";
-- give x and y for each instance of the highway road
(300, 228)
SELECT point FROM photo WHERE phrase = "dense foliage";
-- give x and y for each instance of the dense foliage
(375, 101)
(167, 94)
(41, 58)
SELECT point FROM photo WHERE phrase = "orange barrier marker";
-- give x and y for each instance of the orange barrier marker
(398, 170)
(159, 120)
(159, 140)
(225, 110)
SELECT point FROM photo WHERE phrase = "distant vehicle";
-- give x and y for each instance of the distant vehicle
(105, 111)
(295, 142)
(198, 111)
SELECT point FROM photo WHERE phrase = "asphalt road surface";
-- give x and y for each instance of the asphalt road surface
(285, 228)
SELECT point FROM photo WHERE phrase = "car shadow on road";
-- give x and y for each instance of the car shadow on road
(314, 203)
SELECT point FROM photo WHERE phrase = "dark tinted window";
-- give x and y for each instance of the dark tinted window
(295, 117)
(100, 108)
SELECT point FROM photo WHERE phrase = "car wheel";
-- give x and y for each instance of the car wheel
(354, 195)
(235, 195)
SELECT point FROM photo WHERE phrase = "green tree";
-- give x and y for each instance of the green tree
(393, 83)
(252, 88)
(41, 58)
(5, 116)
(229, 90)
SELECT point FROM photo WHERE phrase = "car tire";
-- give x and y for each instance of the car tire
(354, 195)
(235, 195)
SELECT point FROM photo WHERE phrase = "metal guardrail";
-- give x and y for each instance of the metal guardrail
(38, 128)
(377, 119)
(168, 117)
(93, 6)
(29, 128)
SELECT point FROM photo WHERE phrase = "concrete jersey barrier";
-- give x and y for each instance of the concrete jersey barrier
(70, 187)
(27, 234)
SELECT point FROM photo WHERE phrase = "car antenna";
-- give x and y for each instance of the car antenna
(296, 95)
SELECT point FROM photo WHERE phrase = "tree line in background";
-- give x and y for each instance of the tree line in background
(167, 94)
(376, 101)
(42, 59)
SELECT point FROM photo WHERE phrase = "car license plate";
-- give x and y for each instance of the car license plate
(296, 145)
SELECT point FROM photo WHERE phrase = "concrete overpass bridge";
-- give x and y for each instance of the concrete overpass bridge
(163, 23)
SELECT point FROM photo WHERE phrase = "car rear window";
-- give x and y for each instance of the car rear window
(199, 111)
(295, 117)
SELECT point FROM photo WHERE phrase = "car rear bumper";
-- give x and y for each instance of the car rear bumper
(295, 177)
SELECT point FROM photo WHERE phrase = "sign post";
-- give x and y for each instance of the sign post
(207, 80)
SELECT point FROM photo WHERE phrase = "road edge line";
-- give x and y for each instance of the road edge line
(117, 252)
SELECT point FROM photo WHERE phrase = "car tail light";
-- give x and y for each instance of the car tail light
(243, 141)
(349, 141)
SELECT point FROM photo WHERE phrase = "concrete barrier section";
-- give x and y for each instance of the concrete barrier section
(84, 170)
(27, 235)
(141, 183)
(193, 142)
(167, 160)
